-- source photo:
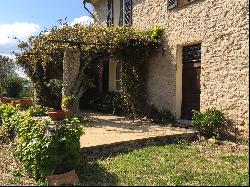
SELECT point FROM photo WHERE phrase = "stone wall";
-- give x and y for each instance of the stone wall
(71, 65)
(221, 27)
(101, 11)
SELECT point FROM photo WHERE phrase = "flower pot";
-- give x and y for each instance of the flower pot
(7, 100)
(25, 102)
(65, 178)
(57, 115)
(15, 103)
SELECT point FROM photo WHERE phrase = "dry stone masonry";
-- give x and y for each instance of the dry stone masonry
(221, 27)
(71, 66)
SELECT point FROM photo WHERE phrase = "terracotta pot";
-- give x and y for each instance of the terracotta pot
(7, 100)
(15, 103)
(66, 178)
(25, 102)
(57, 115)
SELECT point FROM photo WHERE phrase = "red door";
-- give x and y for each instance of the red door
(191, 80)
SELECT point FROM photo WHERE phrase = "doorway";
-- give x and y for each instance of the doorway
(191, 71)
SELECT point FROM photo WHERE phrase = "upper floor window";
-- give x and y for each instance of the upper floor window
(110, 18)
(178, 3)
(125, 13)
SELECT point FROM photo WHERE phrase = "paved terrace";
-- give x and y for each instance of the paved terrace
(108, 135)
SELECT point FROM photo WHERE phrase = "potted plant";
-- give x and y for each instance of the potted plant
(7, 100)
(57, 115)
(62, 178)
(67, 104)
(15, 103)
(25, 102)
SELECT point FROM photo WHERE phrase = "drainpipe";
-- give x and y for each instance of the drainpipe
(91, 15)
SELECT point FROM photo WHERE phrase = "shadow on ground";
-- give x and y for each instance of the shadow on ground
(93, 174)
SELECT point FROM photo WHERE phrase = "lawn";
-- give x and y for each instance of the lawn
(200, 163)
(176, 164)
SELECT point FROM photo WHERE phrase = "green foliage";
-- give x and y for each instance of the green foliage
(68, 101)
(4, 137)
(210, 123)
(42, 56)
(37, 110)
(110, 103)
(14, 86)
(7, 69)
(1, 88)
(43, 154)
(9, 120)
(170, 165)
(162, 117)
(27, 90)
(53, 92)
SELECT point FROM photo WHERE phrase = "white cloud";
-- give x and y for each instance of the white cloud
(13, 57)
(20, 30)
(84, 20)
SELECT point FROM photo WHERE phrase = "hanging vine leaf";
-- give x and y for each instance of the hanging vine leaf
(42, 55)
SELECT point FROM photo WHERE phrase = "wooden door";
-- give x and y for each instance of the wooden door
(191, 80)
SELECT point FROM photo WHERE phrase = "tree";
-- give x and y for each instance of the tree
(7, 69)
(14, 86)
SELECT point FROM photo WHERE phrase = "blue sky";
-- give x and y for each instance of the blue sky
(22, 18)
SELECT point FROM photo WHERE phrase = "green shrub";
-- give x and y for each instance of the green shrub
(110, 103)
(14, 86)
(9, 119)
(42, 154)
(68, 101)
(27, 90)
(3, 134)
(53, 94)
(37, 110)
(161, 117)
(210, 123)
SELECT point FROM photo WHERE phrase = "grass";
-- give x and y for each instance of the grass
(200, 163)
(174, 164)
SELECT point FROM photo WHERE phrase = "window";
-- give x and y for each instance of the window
(177, 3)
(172, 4)
(110, 18)
(118, 76)
(125, 13)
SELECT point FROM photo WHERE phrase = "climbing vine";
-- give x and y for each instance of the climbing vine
(42, 57)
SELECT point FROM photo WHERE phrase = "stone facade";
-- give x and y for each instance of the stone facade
(221, 27)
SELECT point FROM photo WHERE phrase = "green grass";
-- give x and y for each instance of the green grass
(174, 164)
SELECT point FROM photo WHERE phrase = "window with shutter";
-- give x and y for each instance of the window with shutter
(172, 4)
(127, 12)
(110, 18)
(178, 3)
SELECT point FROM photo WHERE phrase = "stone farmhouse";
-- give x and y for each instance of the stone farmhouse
(204, 59)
